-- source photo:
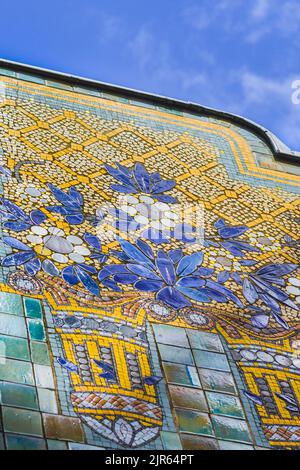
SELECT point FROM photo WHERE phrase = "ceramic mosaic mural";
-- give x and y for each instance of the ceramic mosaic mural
(150, 286)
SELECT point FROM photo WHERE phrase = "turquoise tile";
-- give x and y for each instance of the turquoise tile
(17, 371)
(39, 353)
(36, 330)
(15, 348)
(224, 445)
(33, 308)
(171, 335)
(181, 374)
(193, 422)
(175, 354)
(11, 303)
(56, 445)
(43, 376)
(47, 400)
(217, 381)
(18, 395)
(15, 442)
(224, 405)
(230, 429)
(12, 325)
(22, 421)
(170, 440)
(210, 360)
(206, 341)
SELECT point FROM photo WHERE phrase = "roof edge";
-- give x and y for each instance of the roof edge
(280, 150)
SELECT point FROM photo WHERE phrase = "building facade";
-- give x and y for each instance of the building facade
(150, 286)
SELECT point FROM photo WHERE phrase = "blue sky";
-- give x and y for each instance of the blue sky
(236, 55)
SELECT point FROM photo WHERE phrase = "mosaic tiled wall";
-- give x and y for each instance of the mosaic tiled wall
(123, 325)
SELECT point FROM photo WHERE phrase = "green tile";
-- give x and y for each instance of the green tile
(174, 354)
(18, 395)
(211, 360)
(15, 348)
(172, 335)
(17, 371)
(11, 303)
(194, 442)
(230, 429)
(203, 340)
(224, 445)
(184, 397)
(193, 422)
(15, 442)
(12, 325)
(33, 308)
(22, 421)
(36, 330)
(47, 400)
(43, 376)
(39, 353)
(217, 380)
(170, 440)
(180, 374)
(56, 445)
(224, 405)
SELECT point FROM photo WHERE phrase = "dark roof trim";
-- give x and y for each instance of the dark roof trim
(280, 150)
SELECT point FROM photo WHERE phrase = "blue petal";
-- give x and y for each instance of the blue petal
(15, 243)
(143, 271)
(223, 276)
(108, 376)
(163, 186)
(195, 294)
(155, 236)
(219, 224)
(33, 266)
(99, 257)
(38, 217)
(276, 269)
(249, 291)
(214, 295)
(223, 290)
(270, 302)
(67, 364)
(133, 252)
(125, 278)
(260, 321)
(175, 255)
(146, 248)
(93, 241)
(120, 255)
(165, 198)
(89, 269)
(204, 272)
(16, 226)
(124, 189)
(87, 281)
(149, 285)
(173, 297)
(255, 398)
(112, 269)
(5, 171)
(15, 210)
(232, 249)
(50, 268)
(248, 262)
(69, 276)
(269, 289)
(75, 194)
(63, 210)
(104, 365)
(232, 232)
(189, 263)
(111, 285)
(17, 259)
(60, 195)
(75, 219)
(166, 269)
(280, 320)
(152, 380)
(142, 177)
(119, 175)
(237, 278)
(191, 281)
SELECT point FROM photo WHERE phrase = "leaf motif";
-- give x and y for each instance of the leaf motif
(17, 226)
(69, 276)
(260, 321)
(33, 266)
(125, 278)
(17, 259)
(175, 255)
(87, 281)
(191, 281)
(76, 195)
(232, 232)
(50, 268)
(75, 219)
(93, 241)
(143, 271)
(249, 291)
(277, 270)
(195, 294)
(173, 297)
(189, 263)
(133, 252)
(149, 285)
(255, 398)
(15, 243)
(166, 269)
(223, 276)
(163, 186)
(38, 217)
(146, 248)
(280, 320)
(142, 177)
(124, 189)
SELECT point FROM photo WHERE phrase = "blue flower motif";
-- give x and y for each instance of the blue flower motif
(26, 256)
(16, 219)
(139, 180)
(72, 204)
(175, 278)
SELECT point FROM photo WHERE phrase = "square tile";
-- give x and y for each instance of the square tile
(230, 429)
(16, 371)
(170, 440)
(11, 303)
(171, 335)
(14, 348)
(193, 442)
(224, 405)
(33, 308)
(18, 395)
(175, 354)
(204, 340)
(63, 427)
(217, 380)
(193, 422)
(39, 353)
(12, 325)
(184, 397)
(47, 400)
(224, 445)
(36, 329)
(43, 376)
(56, 445)
(180, 374)
(22, 421)
(15, 442)
(211, 360)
